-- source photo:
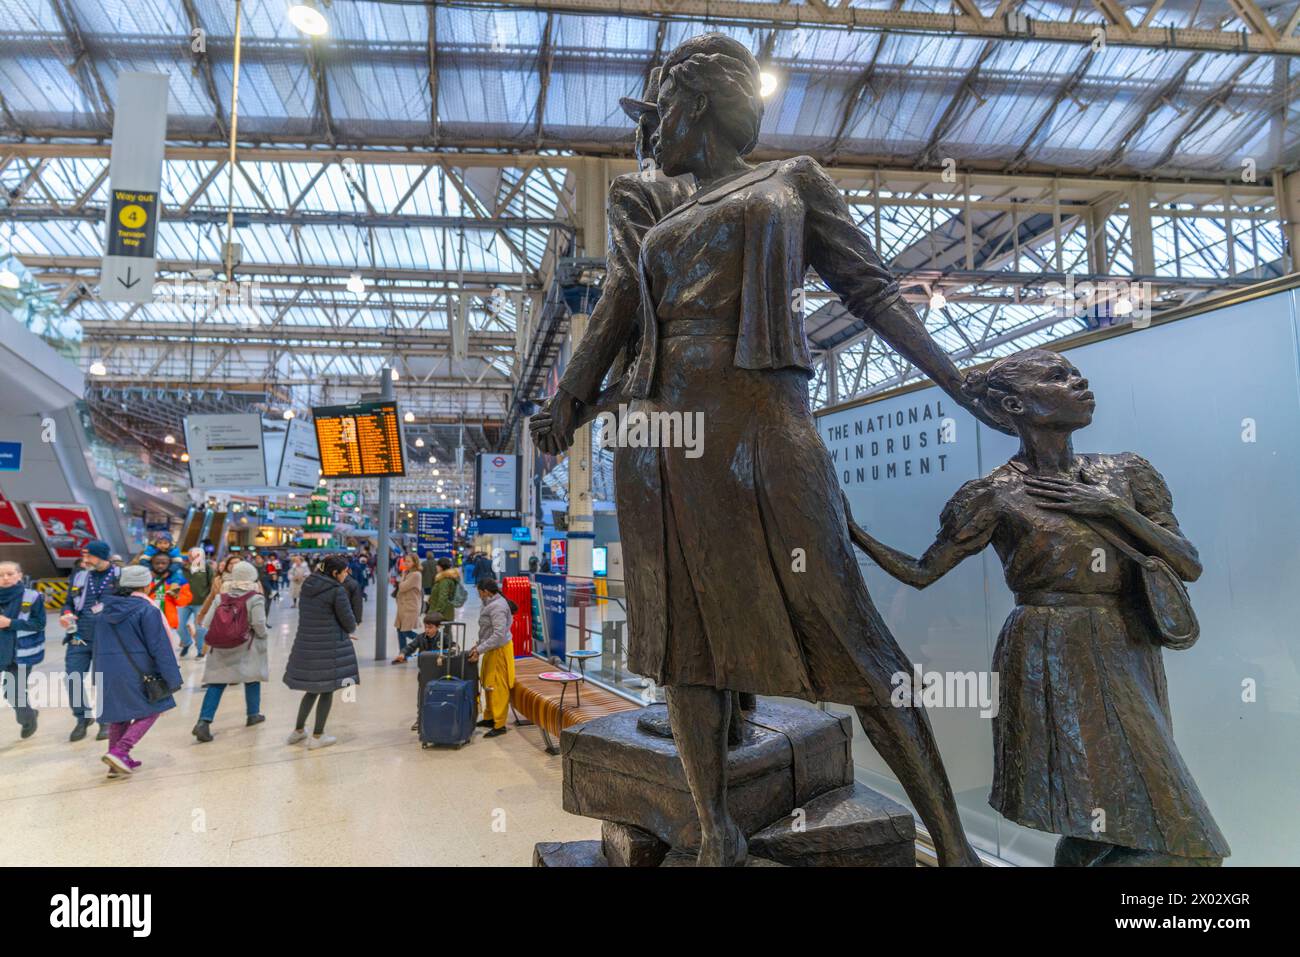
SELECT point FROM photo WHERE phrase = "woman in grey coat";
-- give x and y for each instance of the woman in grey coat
(247, 664)
(323, 659)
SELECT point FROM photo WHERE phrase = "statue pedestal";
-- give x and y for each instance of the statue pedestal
(790, 789)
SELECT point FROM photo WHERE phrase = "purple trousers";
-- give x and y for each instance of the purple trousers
(125, 735)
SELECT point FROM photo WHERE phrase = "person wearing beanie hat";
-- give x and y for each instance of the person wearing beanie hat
(162, 544)
(90, 585)
(170, 590)
(131, 646)
(245, 663)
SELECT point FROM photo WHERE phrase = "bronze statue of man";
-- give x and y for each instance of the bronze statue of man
(636, 202)
(741, 572)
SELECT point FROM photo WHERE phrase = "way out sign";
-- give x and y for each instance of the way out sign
(135, 175)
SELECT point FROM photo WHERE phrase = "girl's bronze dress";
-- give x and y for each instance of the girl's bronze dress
(1083, 742)
(741, 571)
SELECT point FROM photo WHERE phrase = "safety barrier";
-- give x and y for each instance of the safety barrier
(55, 591)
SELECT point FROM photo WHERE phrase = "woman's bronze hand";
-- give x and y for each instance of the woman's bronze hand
(552, 428)
(1078, 498)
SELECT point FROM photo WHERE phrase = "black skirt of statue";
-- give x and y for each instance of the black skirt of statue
(741, 571)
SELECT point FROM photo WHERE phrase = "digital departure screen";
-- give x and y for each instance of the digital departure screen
(359, 441)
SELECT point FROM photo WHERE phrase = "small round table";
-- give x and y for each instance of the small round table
(581, 657)
(564, 679)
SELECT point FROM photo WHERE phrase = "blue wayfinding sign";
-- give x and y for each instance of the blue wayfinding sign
(554, 616)
(434, 532)
(11, 456)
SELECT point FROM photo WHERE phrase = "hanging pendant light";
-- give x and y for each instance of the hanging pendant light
(308, 19)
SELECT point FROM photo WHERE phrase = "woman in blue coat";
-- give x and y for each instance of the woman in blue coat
(131, 642)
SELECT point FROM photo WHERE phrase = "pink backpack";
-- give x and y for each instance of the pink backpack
(229, 628)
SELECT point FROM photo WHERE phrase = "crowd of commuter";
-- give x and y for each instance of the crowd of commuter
(126, 625)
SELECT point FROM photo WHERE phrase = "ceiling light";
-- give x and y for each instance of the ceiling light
(9, 279)
(409, 417)
(308, 19)
(938, 300)
(169, 440)
(356, 285)
(288, 413)
(419, 443)
(394, 375)
(435, 471)
(185, 456)
(767, 84)
(165, 490)
(432, 460)
(98, 368)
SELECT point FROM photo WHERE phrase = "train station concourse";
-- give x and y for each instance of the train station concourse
(572, 435)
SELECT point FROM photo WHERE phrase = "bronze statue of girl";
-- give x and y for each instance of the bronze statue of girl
(1083, 741)
(741, 573)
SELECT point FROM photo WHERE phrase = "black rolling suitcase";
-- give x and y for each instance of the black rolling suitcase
(449, 661)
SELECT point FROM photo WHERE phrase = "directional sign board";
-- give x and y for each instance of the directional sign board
(135, 175)
(300, 459)
(225, 451)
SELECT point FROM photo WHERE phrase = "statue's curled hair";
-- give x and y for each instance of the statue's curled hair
(724, 70)
(988, 387)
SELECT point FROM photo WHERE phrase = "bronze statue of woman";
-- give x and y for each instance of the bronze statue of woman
(1083, 742)
(740, 570)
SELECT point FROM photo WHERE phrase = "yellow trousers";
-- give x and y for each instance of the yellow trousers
(496, 672)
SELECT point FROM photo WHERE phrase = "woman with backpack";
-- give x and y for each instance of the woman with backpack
(237, 647)
(447, 593)
(322, 659)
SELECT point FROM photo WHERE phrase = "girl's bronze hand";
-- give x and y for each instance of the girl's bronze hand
(1078, 498)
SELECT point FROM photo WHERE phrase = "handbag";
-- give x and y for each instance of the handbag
(156, 689)
(1167, 604)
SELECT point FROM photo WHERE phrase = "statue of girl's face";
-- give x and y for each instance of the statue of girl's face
(1050, 394)
(681, 114)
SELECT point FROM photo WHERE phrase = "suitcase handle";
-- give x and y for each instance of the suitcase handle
(445, 629)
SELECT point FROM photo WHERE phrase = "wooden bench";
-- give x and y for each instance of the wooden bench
(538, 702)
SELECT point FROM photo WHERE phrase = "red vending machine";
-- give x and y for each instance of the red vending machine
(519, 589)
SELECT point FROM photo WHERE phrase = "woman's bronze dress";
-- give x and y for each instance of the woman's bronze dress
(741, 574)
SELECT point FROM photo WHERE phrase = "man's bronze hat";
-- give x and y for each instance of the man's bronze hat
(634, 108)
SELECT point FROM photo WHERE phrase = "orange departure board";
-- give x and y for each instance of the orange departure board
(359, 441)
